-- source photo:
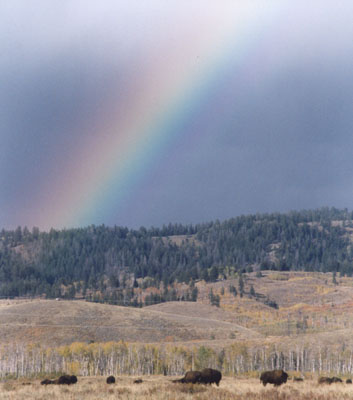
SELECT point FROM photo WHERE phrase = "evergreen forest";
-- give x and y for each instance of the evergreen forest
(115, 261)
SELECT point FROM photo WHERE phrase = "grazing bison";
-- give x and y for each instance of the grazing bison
(298, 379)
(276, 377)
(349, 381)
(206, 376)
(139, 380)
(324, 380)
(209, 376)
(47, 382)
(62, 380)
(110, 379)
(190, 377)
(66, 380)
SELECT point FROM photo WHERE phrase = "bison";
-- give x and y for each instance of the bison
(62, 380)
(209, 376)
(324, 379)
(110, 379)
(298, 379)
(66, 380)
(139, 380)
(206, 376)
(276, 377)
(190, 377)
(47, 382)
(348, 380)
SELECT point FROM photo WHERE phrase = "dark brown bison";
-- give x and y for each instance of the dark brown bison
(209, 376)
(62, 380)
(324, 380)
(66, 380)
(47, 382)
(298, 379)
(110, 379)
(190, 377)
(139, 380)
(276, 377)
(336, 380)
(206, 376)
(349, 381)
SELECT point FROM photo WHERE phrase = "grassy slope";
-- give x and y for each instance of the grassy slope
(58, 322)
(311, 309)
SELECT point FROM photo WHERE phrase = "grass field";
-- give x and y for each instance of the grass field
(308, 304)
(161, 388)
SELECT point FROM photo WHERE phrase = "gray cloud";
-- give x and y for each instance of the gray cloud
(275, 132)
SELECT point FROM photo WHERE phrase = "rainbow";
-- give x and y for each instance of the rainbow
(131, 131)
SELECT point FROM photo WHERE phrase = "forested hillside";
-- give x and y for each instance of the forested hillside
(115, 261)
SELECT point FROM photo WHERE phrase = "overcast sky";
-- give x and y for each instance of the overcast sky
(271, 130)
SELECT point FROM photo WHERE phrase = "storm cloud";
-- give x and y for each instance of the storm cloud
(275, 133)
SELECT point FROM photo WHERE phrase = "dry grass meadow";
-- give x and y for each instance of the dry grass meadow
(160, 388)
(326, 309)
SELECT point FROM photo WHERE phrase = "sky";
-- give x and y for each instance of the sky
(136, 113)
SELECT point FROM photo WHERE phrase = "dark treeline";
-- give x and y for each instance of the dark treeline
(100, 258)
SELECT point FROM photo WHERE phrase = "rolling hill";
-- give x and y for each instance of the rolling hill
(308, 305)
(54, 323)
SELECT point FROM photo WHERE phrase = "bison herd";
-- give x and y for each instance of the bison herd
(62, 380)
(325, 379)
(207, 376)
(278, 376)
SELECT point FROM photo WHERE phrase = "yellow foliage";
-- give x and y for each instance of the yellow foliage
(79, 348)
(64, 351)
(324, 289)
(33, 346)
(279, 277)
(73, 368)
(238, 349)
